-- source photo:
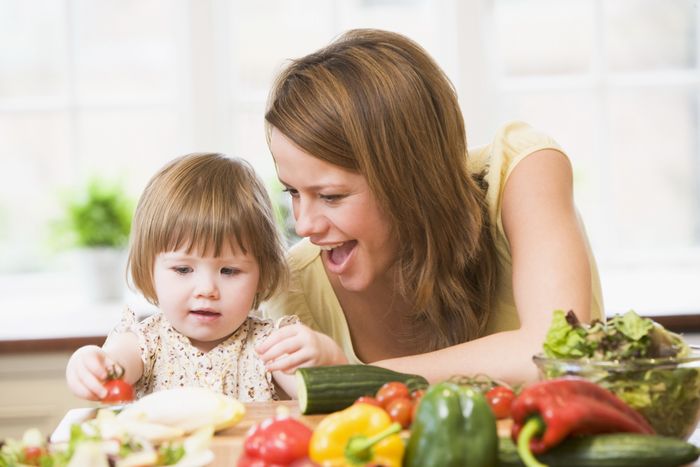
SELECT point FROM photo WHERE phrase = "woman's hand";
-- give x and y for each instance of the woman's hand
(297, 345)
(86, 372)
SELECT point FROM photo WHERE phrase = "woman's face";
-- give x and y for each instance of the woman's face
(335, 208)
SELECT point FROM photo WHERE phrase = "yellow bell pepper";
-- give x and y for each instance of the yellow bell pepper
(359, 435)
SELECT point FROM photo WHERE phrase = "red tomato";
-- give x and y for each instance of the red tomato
(400, 409)
(368, 400)
(500, 399)
(118, 391)
(32, 454)
(417, 394)
(390, 391)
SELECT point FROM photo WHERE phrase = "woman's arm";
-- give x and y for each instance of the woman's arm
(550, 271)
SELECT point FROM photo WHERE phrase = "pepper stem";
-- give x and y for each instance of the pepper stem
(359, 448)
(532, 428)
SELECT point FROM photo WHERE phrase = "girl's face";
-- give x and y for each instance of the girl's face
(335, 208)
(206, 298)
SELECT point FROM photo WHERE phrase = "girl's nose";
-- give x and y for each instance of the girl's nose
(207, 287)
(308, 221)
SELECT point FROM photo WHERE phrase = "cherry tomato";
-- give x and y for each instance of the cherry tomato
(118, 390)
(368, 400)
(417, 394)
(500, 399)
(32, 454)
(400, 409)
(390, 391)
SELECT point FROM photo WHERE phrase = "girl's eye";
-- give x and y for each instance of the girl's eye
(229, 271)
(182, 269)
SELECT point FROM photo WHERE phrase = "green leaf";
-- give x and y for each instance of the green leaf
(632, 325)
(564, 340)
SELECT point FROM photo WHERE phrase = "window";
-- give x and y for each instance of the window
(616, 82)
(119, 87)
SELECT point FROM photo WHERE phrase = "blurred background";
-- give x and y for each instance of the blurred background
(113, 89)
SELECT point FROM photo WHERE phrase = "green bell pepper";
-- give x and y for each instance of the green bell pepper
(453, 426)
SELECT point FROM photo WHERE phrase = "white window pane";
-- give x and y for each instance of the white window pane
(33, 55)
(650, 34)
(267, 32)
(36, 161)
(411, 18)
(544, 36)
(249, 140)
(132, 144)
(126, 48)
(653, 167)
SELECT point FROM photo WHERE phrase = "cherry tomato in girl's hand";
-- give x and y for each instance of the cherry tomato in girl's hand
(118, 390)
(500, 399)
(390, 391)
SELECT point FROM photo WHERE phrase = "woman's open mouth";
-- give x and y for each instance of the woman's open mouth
(337, 257)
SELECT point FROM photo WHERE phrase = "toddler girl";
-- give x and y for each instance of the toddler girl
(204, 249)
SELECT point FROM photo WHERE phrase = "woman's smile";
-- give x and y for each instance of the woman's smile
(337, 258)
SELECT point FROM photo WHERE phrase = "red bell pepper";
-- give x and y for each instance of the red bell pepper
(276, 442)
(545, 413)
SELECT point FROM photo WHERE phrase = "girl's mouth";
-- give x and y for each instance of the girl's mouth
(205, 315)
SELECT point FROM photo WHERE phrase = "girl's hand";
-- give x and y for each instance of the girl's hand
(86, 372)
(297, 345)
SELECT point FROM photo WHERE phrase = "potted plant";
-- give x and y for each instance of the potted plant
(97, 221)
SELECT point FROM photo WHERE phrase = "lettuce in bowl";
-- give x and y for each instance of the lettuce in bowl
(652, 369)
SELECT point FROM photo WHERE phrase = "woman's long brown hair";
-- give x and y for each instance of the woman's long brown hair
(375, 102)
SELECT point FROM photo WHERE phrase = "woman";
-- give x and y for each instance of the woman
(419, 256)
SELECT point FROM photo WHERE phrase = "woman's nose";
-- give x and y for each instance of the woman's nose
(308, 221)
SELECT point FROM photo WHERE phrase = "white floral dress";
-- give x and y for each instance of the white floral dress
(232, 367)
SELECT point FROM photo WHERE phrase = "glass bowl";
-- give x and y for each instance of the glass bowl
(666, 391)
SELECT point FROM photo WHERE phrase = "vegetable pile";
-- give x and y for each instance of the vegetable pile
(636, 359)
(148, 432)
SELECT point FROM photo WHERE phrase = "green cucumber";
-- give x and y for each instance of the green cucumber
(326, 389)
(608, 450)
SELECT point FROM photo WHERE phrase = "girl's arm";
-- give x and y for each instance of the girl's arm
(286, 381)
(550, 271)
(123, 348)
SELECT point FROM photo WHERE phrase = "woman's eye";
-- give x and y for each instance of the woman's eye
(292, 192)
(331, 198)
(182, 269)
(229, 271)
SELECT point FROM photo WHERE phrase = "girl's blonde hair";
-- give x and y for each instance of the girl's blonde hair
(376, 103)
(200, 201)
